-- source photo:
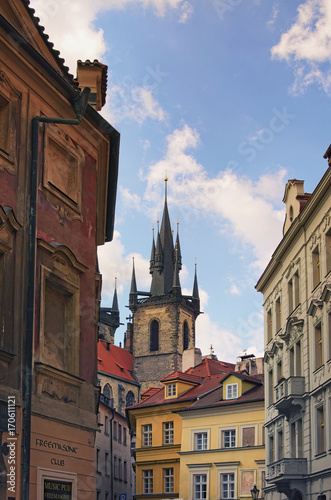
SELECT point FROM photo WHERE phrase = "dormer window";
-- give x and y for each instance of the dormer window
(232, 391)
(171, 390)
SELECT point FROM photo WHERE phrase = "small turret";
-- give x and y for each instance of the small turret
(152, 261)
(133, 290)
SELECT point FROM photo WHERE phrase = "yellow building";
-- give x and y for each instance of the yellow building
(222, 451)
(158, 427)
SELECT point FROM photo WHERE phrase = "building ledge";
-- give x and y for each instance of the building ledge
(286, 470)
(289, 395)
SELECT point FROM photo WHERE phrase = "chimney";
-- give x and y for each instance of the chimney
(191, 358)
(93, 75)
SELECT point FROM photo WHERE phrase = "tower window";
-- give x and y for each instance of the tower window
(185, 336)
(154, 336)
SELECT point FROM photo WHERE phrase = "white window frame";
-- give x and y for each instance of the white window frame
(231, 431)
(171, 390)
(195, 471)
(227, 468)
(171, 480)
(148, 434)
(193, 438)
(168, 433)
(148, 478)
(235, 385)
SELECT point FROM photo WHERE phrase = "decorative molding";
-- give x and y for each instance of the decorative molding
(9, 98)
(62, 173)
(326, 221)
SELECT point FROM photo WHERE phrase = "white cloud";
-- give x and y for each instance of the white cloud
(115, 262)
(234, 290)
(244, 205)
(273, 19)
(307, 45)
(69, 23)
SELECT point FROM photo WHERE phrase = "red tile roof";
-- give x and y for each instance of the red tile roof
(210, 367)
(116, 361)
(185, 377)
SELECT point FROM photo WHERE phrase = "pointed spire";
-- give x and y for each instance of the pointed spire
(152, 261)
(115, 301)
(176, 282)
(195, 293)
(179, 255)
(133, 279)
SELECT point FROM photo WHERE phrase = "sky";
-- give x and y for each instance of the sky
(227, 98)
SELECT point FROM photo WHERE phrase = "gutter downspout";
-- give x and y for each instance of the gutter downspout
(80, 103)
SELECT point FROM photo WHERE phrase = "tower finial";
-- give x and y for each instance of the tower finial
(165, 187)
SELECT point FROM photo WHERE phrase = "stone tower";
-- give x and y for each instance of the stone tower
(163, 320)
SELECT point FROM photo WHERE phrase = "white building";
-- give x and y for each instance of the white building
(296, 286)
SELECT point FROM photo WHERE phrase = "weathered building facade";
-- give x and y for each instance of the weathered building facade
(296, 286)
(58, 178)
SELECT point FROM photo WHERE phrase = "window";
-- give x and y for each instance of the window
(280, 453)
(185, 336)
(119, 433)
(298, 359)
(248, 436)
(106, 425)
(107, 391)
(147, 435)
(290, 296)
(115, 430)
(120, 469)
(107, 463)
(115, 467)
(168, 480)
(200, 441)
(278, 315)
(320, 430)
(227, 486)
(316, 267)
(328, 252)
(129, 400)
(271, 450)
(279, 370)
(98, 460)
(148, 481)
(125, 471)
(199, 486)
(168, 433)
(231, 391)
(318, 346)
(124, 436)
(269, 325)
(296, 439)
(229, 438)
(271, 387)
(296, 290)
(154, 336)
(291, 361)
(171, 390)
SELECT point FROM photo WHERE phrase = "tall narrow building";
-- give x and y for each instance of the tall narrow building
(163, 320)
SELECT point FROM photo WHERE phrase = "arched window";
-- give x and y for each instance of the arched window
(107, 391)
(185, 336)
(154, 336)
(129, 400)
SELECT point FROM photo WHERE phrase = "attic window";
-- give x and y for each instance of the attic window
(291, 213)
(232, 391)
(171, 390)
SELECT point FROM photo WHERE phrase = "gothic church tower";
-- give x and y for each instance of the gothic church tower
(163, 324)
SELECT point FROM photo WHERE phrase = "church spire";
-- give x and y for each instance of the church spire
(176, 283)
(162, 276)
(177, 246)
(195, 293)
(152, 261)
(115, 300)
(133, 288)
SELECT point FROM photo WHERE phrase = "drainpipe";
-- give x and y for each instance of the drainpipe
(79, 104)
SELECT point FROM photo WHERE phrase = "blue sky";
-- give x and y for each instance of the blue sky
(231, 98)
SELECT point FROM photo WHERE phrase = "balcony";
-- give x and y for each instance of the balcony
(287, 469)
(288, 395)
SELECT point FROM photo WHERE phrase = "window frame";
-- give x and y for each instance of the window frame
(146, 435)
(194, 444)
(148, 481)
(170, 477)
(232, 386)
(168, 433)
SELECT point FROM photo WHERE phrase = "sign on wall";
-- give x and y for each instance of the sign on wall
(57, 490)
